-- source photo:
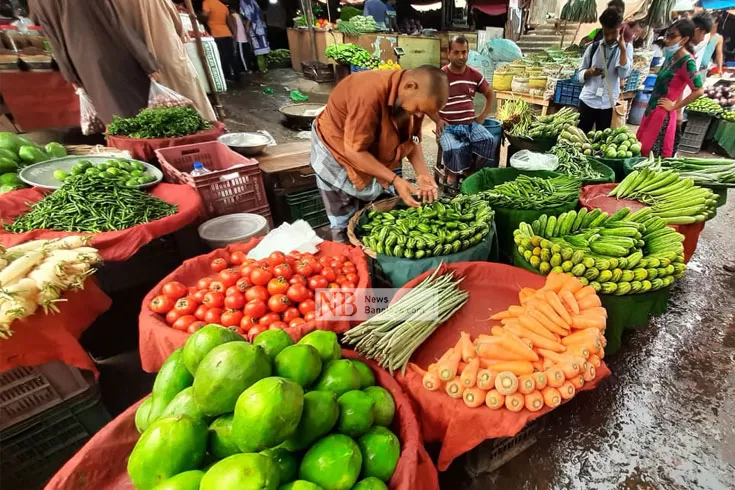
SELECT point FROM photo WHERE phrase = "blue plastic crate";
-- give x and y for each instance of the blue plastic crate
(355, 68)
(567, 92)
(633, 81)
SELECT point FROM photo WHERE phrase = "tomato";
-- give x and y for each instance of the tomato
(278, 303)
(316, 266)
(297, 293)
(243, 284)
(247, 322)
(218, 265)
(349, 285)
(198, 296)
(235, 301)
(333, 285)
(195, 326)
(161, 304)
(256, 330)
(277, 285)
(283, 270)
(296, 321)
(182, 323)
(304, 268)
(255, 308)
(335, 265)
(191, 291)
(237, 257)
(228, 277)
(232, 290)
(348, 269)
(329, 274)
(352, 277)
(341, 279)
(269, 318)
(232, 318)
(172, 316)
(214, 299)
(204, 282)
(297, 279)
(214, 315)
(201, 312)
(185, 306)
(276, 258)
(174, 290)
(290, 314)
(317, 282)
(217, 286)
(278, 326)
(256, 292)
(309, 317)
(260, 276)
(247, 270)
(307, 306)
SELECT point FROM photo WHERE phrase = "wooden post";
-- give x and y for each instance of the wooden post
(218, 108)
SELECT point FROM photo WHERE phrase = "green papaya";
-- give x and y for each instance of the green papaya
(250, 471)
(204, 340)
(170, 381)
(221, 443)
(11, 142)
(325, 342)
(55, 150)
(319, 416)
(7, 165)
(141, 415)
(188, 480)
(367, 378)
(339, 376)
(287, 462)
(273, 341)
(5, 153)
(300, 485)
(31, 154)
(185, 404)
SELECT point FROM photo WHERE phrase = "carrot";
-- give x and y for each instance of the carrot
(539, 380)
(431, 381)
(595, 361)
(548, 363)
(461, 366)
(469, 373)
(534, 401)
(578, 350)
(538, 341)
(572, 285)
(570, 369)
(546, 322)
(552, 397)
(510, 321)
(468, 350)
(526, 384)
(581, 335)
(587, 302)
(518, 368)
(555, 303)
(538, 365)
(473, 397)
(501, 315)
(534, 326)
(496, 351)
(554, 356)
(589, 373)
(555, 377)
(496, 331)
(506, 383)
(447, 368)
(567, 390)
(594, 346)
(544, 307)
(584, 292)
(555, 281)
(577, 381)
(485, 379)
(454, 388)
(596, 310)
(569, 302)
(516, 310)
(601, 352)
(526, 293)
(515, 402)
(514, 343)
(494, 400)
(589, 321)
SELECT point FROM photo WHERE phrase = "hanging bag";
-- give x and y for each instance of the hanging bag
(162, 96)
(90, 121)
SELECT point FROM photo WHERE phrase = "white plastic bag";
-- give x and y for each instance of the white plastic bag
(528, 160)
(90, 121)
(162, 96)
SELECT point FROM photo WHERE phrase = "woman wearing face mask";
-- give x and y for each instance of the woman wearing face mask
(658, 128)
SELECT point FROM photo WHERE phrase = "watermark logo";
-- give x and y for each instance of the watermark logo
(364, 303)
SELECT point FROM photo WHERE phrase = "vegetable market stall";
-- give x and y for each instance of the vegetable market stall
(40, 100)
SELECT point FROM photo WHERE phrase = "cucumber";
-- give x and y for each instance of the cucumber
(550, 226)
(559, 223)
(599, 220)
(542, 224)
(589, 217)
(619, 215)
(579, 219)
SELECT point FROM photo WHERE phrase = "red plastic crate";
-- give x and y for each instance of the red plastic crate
(234, 185)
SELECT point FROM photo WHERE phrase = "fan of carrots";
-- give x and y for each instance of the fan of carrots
(540, 354)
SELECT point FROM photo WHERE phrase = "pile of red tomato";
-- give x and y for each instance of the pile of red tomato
(253, 296)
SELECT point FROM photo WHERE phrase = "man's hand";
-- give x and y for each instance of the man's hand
(621, 38)
(428, 190)
(667, 104)
(439, 126)
(480, 119)
(406, 191)
(155, 76)
(592, 72)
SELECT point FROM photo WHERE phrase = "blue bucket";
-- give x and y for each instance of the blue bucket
(494, 126)
(650, 82)
(638, 108)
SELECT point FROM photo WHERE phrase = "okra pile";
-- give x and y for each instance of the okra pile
(444, 227)
(620, 254)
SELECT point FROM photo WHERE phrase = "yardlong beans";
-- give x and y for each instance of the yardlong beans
(91, 204)
(533, 192)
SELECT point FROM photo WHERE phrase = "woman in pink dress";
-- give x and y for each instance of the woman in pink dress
(657, 131)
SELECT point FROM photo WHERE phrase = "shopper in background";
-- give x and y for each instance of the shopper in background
(257, 31)
(158, 24)
(96, 51)
(714, 47)
(657, 132)
(216, 14)
(377, 9)
(604, 64)
(241, 43)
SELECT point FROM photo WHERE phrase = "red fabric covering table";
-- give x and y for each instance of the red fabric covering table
(39, 100)
(101, 463)
(115, 245)
(596, 196)
(43, 338)
(493, 287)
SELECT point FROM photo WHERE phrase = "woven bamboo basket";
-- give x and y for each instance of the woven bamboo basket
(384, 205)
(96, 150)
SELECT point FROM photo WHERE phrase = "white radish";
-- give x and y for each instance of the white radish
(23, 248)
(68, 243)
(20, 267)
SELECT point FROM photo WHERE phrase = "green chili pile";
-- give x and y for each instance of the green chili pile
(533, 192)
(574, 163)
(89, 204)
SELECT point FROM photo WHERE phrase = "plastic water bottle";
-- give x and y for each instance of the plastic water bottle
(199, 169)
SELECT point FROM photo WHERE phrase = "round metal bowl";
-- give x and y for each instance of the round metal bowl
(301, 115)
(246, 144)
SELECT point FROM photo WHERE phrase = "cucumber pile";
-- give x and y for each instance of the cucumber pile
(620, 254)
(677, 200)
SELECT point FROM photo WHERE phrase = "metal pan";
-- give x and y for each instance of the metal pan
(247, 144)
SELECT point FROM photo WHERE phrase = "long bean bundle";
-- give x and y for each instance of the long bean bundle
(700, 170)
(89, 204)
(392, 336)
(533, 192)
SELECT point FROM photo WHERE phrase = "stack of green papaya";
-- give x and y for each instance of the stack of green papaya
(225, 414)
(620, 254)
(444, 227)
(17, 152)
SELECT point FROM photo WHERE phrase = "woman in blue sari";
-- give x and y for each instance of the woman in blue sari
(256, 30)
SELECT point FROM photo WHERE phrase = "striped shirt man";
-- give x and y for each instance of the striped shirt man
(460, 108)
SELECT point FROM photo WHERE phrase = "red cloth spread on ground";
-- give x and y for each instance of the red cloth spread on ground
(144, 148)
(43, 338)
(39, 100)
(493, 288)
(114, 245)
(158, 339)
(596, 196)
(101, 463)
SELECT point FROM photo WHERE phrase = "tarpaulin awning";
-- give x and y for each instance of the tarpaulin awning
(491, 7)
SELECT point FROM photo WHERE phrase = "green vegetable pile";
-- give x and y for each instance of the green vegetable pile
(128, 172)
(270, 415)
(516, 115)
(619, 254)
(357, 24)
(86, 203)
(278, 57)
(533, 192)
(17, 152)
(349, 12)
(609, 143)
(579, 11)
(168, 122)
(675, 199)
(351, 54)
(432, 230)
(551, 125)
(574, 163)
(728, 116)
(705, 105)
(700, 170)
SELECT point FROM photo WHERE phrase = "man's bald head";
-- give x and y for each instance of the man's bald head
(424, 89)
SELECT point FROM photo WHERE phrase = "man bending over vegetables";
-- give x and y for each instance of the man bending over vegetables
(372, 121)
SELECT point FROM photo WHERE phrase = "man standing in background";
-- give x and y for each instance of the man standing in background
(377, 9)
